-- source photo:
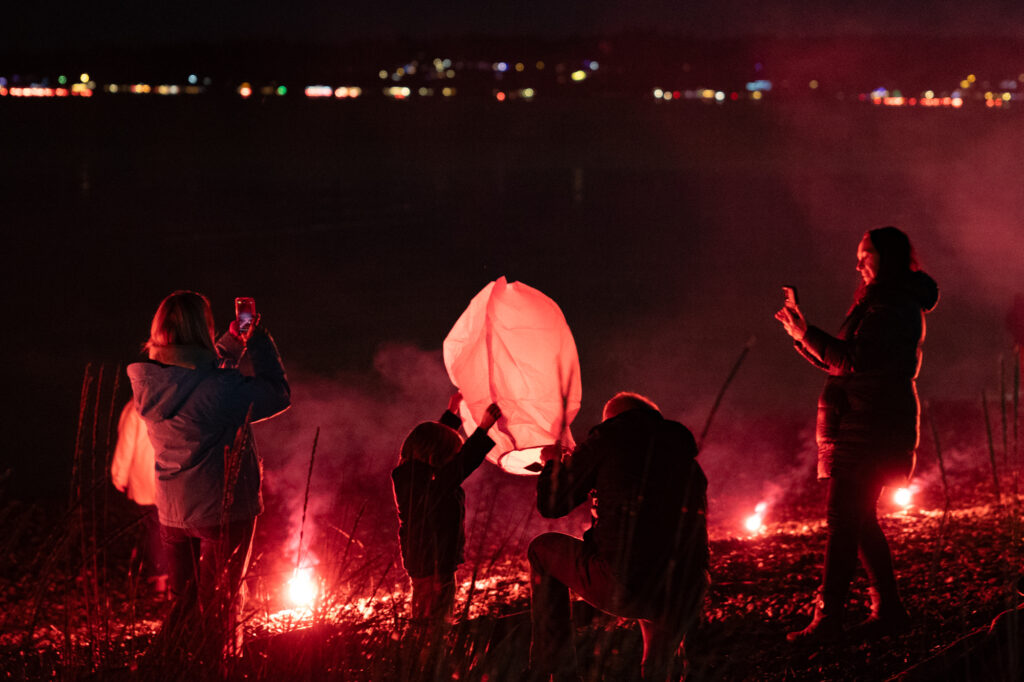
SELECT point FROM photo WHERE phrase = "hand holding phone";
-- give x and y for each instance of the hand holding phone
(245, 315)
(792, 299)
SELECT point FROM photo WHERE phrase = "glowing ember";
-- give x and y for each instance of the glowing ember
(903, 497)
(302, 587)
(755, 522)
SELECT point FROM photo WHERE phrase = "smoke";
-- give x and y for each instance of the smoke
(363, 419)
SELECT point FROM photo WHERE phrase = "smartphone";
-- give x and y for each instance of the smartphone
(792, 300)
(245, 313)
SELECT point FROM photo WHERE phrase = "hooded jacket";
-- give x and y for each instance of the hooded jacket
(650, 501)
(432, 506)
(868, 412)
(193, 411)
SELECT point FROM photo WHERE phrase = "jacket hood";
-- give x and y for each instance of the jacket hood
(924, 289)
(161, 390)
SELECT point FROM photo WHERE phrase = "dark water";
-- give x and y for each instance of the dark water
(363, 229)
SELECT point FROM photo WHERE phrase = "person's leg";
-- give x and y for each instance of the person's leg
(433, 598)
(887, 611)
(845, 517)
(223, 560)
(666, 624)
(555, 563)
(182, 553)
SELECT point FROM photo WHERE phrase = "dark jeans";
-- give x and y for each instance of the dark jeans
(206, 566)
(558, 565)
(853, 528)
(150, 560)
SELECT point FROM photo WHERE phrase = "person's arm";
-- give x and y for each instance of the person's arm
(869, 348)
(471, 455)
(230, 348)
(451, 418)
(565, 482)
(267, 391)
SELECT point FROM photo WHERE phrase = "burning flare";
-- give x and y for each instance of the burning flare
(903, 497)
(302, 587)
(755, 522)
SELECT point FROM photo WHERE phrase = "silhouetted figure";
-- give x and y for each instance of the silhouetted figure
(198, 417)
(868, 423)
(645, 555)
(133, 472)
(431, 504)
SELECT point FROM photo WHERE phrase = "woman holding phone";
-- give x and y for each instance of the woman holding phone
(868, 423)
(208, 473)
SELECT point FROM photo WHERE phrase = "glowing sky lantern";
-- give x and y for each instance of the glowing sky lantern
(512, 346)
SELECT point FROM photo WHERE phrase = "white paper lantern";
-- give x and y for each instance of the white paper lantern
(513, 347)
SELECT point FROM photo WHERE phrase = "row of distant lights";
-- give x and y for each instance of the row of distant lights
(83, 88)
(702, 94)
(443, 69)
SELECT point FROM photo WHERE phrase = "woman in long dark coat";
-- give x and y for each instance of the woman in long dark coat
(868, 423)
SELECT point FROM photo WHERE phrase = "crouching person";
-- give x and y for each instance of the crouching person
(645, 555)
(431, 505)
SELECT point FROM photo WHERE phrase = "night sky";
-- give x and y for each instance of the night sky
(28, 25)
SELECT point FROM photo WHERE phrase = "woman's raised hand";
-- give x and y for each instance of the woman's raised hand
(793, 321)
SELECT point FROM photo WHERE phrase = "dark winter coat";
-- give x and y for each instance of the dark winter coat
(193, 411)
(650, 499)
(432, 506)
(868, 413)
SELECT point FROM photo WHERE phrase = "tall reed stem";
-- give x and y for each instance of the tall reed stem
(991, 447)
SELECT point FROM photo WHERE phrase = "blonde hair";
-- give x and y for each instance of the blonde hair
(183, 319)
(432, 443)
(625, 401)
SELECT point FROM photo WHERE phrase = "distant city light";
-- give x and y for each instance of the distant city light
(814, 85)
(593, 66)
(759, 85)
(319, 91)
(397, 92)
(964, 84)
(383, 74)
(282, 90)
(520, 67)
(448, 92)
(540, 67)
(500, 96)
(579, 75)
(658, 92)
(425, 92)
(244, 90)
(62, 80)
(527, 93)
(84, 78)
(757, 94)
(193, 79)
(449, 73)
(500, 67)
(719, 96)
